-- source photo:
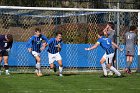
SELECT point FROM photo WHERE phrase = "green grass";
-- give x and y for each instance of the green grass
(92, 83)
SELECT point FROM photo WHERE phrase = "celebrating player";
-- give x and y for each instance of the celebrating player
(6, 42)
(54, 47)
(34, 46)
(130, 39)
(110, 33)
(106, 44)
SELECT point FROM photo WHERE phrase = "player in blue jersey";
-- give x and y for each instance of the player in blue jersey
(106, 44)
(110, 33)
(54, 47)
(34, 45)
(6, 42)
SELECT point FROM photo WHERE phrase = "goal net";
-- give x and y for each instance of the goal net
(79, 28)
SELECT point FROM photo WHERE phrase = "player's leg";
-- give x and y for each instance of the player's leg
(5, 58)
(60, 67)
(109, 64)
(129, 62)
(102, 62)
(59, 60)
(51, 58)
(38, 60)
(113, 63)
(0, 63)
(38, 66)
(129, 59)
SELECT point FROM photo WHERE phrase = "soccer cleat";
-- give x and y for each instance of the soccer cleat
(60, 75)
(129, 71)
(54, 68)
(110, 73)
(39, 74)
(126, 70)
(7, 73)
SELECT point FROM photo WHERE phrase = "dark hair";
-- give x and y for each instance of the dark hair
(132, 28)
(37, 30)
(10, 37)
(111, 24)
(101, 33)
(58, 33)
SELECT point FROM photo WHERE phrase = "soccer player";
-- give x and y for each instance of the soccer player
(106, 44)
(129, 40)
(6, 42)
(109, 31)
(35, 46)
(54, 47)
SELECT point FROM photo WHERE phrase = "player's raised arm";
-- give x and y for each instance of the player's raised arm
(45, 38)
(116, 46)
(44, 45)
(106, 29)
(93, 47)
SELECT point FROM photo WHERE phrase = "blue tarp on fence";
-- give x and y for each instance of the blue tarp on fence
(73, 55)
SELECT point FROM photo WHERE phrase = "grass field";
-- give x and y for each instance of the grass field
(92, 83)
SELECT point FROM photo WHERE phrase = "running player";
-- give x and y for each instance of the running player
(106, 44)
(6, 42)
(54, 47)
(129, 40)
(34, 46)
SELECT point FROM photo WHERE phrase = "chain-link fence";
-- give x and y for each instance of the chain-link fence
(79, 30)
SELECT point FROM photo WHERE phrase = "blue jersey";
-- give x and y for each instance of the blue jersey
(4, 44)
(52, 45)
(35, 42)
(106, 44)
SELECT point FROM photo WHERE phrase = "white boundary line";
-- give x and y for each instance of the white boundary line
(68, 9)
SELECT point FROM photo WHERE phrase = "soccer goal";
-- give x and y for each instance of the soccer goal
(79, 27)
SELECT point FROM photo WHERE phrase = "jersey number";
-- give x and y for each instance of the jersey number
(129, 37)
(107, 42)
(5, 45)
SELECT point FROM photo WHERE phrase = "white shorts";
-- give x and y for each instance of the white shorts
(34, 53)
(54, 57)
(108, 58)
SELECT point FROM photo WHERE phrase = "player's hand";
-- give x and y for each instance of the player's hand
(42, 48)
(59, 46)
(30, 49)
(87, 49)
(8, 49)
(121, 49)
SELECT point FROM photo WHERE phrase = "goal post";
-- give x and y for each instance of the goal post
(79, 27)
(138, 70)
